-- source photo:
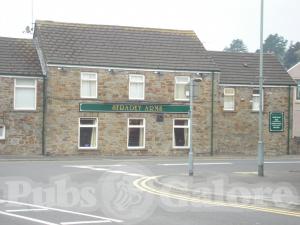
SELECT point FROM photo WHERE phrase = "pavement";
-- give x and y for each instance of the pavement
(46, 157)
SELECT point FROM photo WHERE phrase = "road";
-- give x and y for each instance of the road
(103, 191)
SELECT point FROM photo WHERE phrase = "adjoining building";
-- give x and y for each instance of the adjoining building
(21, 96)
(238, 104)
(295, 74)
(113, 90)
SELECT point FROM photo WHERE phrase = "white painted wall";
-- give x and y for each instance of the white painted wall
(295, 74)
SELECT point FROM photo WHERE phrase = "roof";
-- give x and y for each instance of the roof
(120, 46)
(243, 68)
(18, 57)
(295, 71)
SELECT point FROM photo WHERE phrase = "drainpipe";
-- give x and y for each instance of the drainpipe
(44, 114)
(212, 115)
(289, 121)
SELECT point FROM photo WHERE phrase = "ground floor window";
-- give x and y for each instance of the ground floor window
(136, 133)
(2, 132)
(181, 133)
(88, 133)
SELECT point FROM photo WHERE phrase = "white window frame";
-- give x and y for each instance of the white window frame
(297, 89)
(226, 94)
(3, 135)
(129, 85)
(136, 126)
(187, 83)
(25, 86)
(181, 126)
(88, 125)
(257, 95)
(84, 79)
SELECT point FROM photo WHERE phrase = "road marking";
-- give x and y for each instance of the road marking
(97, 168)
(246, 173)
(59, 210)
(141, 184)
(281, 162)
(116, 171)
(28, 218)
(85, 222)
(24, 210)
(94, 166)
(135, 175)
(195, 164)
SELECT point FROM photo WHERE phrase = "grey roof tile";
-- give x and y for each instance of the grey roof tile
(118, 46)
(18, 57)
(243, 68)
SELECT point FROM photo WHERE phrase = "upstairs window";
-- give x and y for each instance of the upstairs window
(2, 132)
(25, 94)
(181, 88)
(136, 87)
(255, 100)
(88, 85)
(298, 90)
(229, 99)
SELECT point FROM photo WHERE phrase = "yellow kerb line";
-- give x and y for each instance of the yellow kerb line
(141, 184)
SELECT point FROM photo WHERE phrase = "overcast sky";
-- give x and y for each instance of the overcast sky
(216, 22)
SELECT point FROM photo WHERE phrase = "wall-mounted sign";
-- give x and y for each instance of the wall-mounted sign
(276, 121)
(128, 107)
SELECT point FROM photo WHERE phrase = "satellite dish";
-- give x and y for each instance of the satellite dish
(27, 29)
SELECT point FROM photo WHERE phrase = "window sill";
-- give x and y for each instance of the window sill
(229, 110)
(25, 110)
(137, 149)
(180, 148)
(88, 149)
(94, 98)
(182, 100)
(136, 99)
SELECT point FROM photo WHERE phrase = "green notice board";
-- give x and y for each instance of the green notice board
(276, 121)
(133, 107)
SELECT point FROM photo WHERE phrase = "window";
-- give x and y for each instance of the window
(255, 100)
(298, 90)
(181, 85)
(2, 132)
(136, 133)
(25, 94)
(229, 99)
(88, 85)
(136, 87)
(181, 133)
(88, 133)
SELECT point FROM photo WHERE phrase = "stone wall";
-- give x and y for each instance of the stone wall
(23, 128)
(234, 132)
(237, 131)
(63, 113)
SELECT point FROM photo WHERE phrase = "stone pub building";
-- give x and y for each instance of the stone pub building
(113, 90)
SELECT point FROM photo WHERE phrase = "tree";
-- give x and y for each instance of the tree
(292, 55)
(275, 44)
(237, 45)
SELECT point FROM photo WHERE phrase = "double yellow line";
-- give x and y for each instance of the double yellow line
(141, 184)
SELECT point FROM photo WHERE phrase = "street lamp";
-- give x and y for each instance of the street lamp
(191, 95)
